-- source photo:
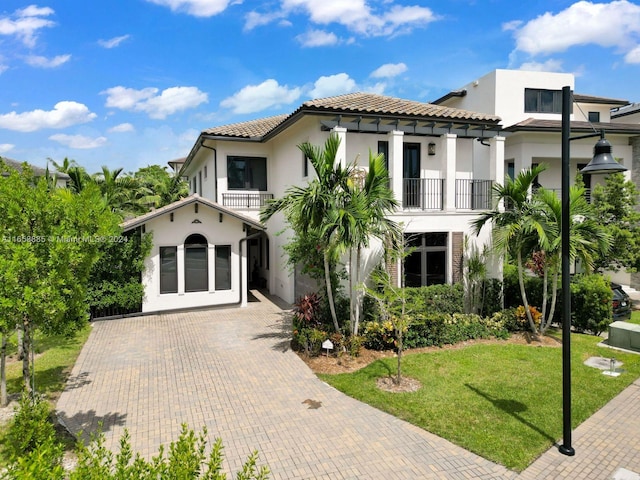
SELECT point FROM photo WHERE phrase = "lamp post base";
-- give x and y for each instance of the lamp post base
(568, 451)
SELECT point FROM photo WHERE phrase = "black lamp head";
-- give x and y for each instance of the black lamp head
(603, 161)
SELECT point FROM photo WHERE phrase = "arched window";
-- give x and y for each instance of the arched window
(196, 271)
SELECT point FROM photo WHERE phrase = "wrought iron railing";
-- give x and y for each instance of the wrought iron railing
(246, 200)
(423, 193)
(472, 194)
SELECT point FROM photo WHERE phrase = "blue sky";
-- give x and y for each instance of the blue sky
(129, 83)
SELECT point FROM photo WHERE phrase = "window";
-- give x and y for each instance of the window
(542, 101)
(248, 173)
(383, 148)
(196, 271)
(223, 267)
(427, 262)
(594, 117)
(168, 270)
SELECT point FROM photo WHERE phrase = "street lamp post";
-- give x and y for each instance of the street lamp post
(602, 162)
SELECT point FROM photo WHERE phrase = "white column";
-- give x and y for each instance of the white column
(180, 264)
(448, 168)
(496, 161)
(341, 156)
(396, 162)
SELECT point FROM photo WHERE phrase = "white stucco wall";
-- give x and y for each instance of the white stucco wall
(167, 233)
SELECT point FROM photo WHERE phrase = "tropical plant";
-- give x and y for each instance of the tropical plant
(518, 227)
(315, 209)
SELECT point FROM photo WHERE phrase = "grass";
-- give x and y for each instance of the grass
(501, 401)
(55, 357)
(635, 317)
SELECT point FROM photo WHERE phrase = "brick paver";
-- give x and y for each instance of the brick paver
(231, 370)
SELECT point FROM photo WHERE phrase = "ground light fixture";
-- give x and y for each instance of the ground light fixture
(602, 162)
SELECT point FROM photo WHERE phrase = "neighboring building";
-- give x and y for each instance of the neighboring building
(530, 106)
(61, 178)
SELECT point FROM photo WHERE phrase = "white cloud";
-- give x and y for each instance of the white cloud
(197, 8)
(614, 24)
(64, 114)
(550, 65)
(389, 70)
(44, 62)
(78, 141)
(317, 38)
(168, 102)
(255, 98)
(25, 23)
(5, 147)
(121, 128)
(113, 42)
(359, 17)
(333, 85)
(255, 19)
(633, 56)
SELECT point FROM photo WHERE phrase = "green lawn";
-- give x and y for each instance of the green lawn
(501, 401)
(55, 357)
(635, 317)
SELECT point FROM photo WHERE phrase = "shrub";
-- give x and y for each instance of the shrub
(30, 427)
(435, 299)
(591, 309)
(436, 329)
(32, 447)
(493, 300)
(511, 286)
(309, 340)
(306, 311)
(186, 460)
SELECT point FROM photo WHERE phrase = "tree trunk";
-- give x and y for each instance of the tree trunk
(26, 350)
(356, 317)
(399, 337)
(554, 297)
(545, 295)
(19, 334)
(327, 278)
(523, 293)
(3, 372)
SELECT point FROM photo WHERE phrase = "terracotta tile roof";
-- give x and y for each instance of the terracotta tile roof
(250, 129)
(355, 104)
(373, 104)
(537, 125)
(141, 219)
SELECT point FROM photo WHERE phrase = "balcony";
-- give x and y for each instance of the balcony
(473, 194)
(423, 193)
(248, 201)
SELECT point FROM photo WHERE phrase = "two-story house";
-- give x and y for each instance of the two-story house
(530, 106)
(210, 246)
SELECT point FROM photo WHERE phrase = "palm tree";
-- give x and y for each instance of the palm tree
(519, 228)
(588, 240)
(374, 201)
(119, 192)
(319, 208)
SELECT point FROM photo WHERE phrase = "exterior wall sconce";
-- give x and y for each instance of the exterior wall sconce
(171, 217)
(220, 218)
(431, 148)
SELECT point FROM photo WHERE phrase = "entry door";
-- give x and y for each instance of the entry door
(411, 175)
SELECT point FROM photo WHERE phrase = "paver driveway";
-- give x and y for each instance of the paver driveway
(231, 370)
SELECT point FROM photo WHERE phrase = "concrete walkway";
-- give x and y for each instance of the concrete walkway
(231, 371)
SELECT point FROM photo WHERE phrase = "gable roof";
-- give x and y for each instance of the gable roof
(537, 125)
(37, 171)
(194, 198)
